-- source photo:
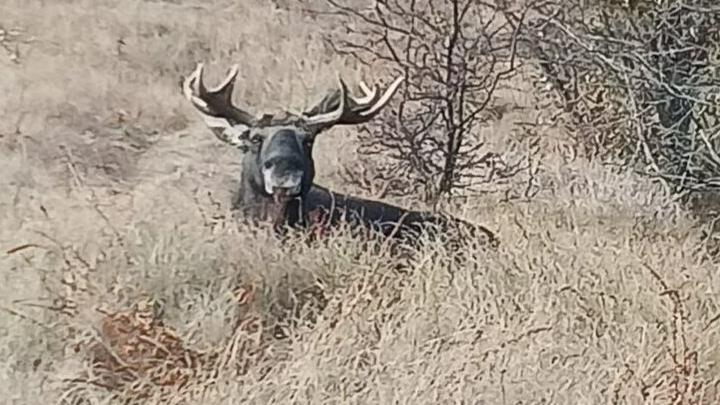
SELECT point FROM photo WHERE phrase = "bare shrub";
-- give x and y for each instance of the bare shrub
(455, 55)
(635, 81)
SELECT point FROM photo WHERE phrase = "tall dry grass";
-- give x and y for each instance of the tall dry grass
(113, 193)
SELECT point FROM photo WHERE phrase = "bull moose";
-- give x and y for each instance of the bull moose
(278, 167)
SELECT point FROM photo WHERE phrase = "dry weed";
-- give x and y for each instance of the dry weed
(138, 357)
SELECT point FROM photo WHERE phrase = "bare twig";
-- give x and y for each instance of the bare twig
(454, 55)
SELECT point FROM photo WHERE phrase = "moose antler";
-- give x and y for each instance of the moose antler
(231, 124)
(218, 101)
(340, 108)
(228, 122)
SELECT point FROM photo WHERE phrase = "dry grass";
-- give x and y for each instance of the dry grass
(113, 193)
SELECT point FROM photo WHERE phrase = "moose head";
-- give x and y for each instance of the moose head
(278, 167)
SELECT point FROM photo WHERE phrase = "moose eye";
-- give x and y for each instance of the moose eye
(256, 139)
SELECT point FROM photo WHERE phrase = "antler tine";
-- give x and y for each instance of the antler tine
(369, 94)
(384, 99)
(190, 87)
(227, 86)
(333, 116)
(350, 110)
(216, 102)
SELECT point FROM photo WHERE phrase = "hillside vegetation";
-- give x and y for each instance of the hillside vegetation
(115, 198)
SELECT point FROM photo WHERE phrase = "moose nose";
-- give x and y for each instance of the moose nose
(283, 164)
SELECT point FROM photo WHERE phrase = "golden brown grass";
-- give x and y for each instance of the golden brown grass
(113, 193)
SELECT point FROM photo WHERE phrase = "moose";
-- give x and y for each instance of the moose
(278, 169)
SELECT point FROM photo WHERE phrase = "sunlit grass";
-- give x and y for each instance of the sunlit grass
(114, 193)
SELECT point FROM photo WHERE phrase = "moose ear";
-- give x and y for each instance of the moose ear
(236, 136)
